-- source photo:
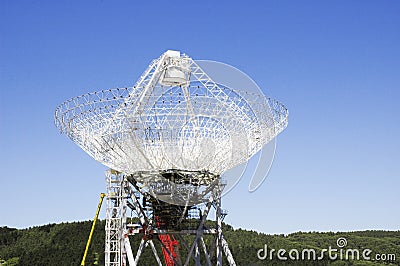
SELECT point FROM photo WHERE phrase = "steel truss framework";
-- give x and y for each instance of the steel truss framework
(123, 195)
(172, 135)
(156, 125)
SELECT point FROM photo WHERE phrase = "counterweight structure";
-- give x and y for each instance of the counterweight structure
(167, 140)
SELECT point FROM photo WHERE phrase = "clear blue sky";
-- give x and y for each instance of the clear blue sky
(335, 65)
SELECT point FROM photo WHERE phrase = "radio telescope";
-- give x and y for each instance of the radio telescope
(167, 140)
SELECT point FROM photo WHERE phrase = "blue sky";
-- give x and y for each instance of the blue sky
(334, 64)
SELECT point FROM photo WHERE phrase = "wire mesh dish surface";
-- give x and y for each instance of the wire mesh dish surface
(175, 117)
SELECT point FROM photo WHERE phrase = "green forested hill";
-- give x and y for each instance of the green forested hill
(63, 244)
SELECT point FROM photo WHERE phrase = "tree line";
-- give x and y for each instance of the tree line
(64, 244)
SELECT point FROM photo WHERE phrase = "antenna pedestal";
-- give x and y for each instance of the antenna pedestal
(183, 233)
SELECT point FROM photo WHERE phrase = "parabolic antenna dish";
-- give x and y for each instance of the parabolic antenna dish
(175, 131)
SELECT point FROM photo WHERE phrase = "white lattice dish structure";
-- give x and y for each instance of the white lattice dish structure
(175, 117)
